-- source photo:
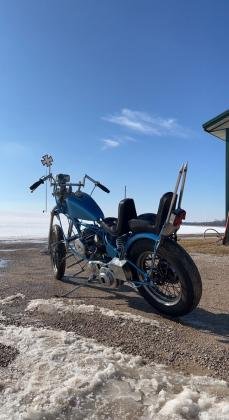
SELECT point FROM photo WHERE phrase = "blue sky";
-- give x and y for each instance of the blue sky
(118, 90)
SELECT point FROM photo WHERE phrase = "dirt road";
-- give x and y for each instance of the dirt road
(196, 343)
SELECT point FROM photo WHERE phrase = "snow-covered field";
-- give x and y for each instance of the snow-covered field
(193, 230)
(35, 226)
(23, 226)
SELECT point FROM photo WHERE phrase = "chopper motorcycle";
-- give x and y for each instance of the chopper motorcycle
(139, 250)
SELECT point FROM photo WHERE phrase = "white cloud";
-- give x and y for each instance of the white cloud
(113, 143)
(144, 123)
(110, 144)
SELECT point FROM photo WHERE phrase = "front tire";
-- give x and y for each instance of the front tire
(176, 286)
(57, 251)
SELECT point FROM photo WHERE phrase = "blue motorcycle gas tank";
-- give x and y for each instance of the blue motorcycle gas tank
(82, 206)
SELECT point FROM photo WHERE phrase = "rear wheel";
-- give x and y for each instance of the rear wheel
(175, 286)
(57, 251)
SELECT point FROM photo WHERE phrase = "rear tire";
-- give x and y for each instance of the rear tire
(175, 270)
(57, 251)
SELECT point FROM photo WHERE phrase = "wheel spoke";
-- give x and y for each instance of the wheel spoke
(165, 283)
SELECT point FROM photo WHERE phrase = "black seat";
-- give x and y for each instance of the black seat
(150, 217)
(151, 222)
(120, 226)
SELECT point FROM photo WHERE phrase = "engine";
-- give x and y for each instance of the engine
(109, 272)
(113, 274)
(90, 245)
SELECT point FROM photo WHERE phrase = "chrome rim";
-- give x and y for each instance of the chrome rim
(165, 285)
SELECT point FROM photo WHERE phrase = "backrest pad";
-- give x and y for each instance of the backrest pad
(163, 209)
(126, 212)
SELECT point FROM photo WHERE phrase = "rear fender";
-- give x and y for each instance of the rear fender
(139, 236)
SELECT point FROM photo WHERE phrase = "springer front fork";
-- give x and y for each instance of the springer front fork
(52, 215)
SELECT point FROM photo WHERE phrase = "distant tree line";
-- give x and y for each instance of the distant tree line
(213, 223)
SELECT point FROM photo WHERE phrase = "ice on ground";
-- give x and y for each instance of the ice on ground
(9, 299)
(57, 306)
(3, 263)
(60, 375)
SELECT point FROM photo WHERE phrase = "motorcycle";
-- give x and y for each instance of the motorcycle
(139, 250)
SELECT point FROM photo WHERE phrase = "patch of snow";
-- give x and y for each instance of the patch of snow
(128, 316)
(2, 317)
(8, 250)
(56, 306)
(23, 239)
(9, 299)
(59, 375)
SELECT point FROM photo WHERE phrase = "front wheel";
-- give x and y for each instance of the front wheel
(175, 286)
(57, 251)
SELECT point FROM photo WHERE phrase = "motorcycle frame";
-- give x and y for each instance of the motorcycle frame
(110, 248)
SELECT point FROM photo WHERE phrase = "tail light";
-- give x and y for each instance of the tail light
(177, 217)
(174, 222)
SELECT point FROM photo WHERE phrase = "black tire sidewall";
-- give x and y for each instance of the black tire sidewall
(57, 236)
(191, 288)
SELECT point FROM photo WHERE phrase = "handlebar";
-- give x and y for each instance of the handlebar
(102, 187)
(36, 184)
(80, 184)
(97, 184)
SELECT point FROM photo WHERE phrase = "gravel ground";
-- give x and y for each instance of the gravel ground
(196, 343)
(7, 355)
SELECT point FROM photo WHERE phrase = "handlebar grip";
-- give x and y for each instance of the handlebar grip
(102, 187)
(36, 184)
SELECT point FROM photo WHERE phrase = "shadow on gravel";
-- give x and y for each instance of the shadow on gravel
(124, 293)
(206, 321)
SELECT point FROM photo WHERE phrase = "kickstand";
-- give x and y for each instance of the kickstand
(68, 293)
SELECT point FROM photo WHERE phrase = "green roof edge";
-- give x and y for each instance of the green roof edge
(215, 119)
